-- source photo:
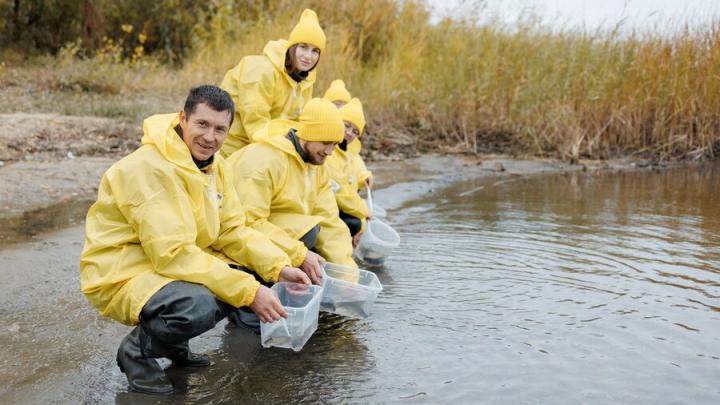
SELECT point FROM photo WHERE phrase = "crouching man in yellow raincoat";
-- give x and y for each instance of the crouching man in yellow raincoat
(159, 238)
(286, 189)
(353, 209)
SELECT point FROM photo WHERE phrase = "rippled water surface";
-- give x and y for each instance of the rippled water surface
(582, 288)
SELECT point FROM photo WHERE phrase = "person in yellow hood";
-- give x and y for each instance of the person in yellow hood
(286, 188)
(363, 176)
(274, 85)
(353, 209)
(161, 236)
(338, 94)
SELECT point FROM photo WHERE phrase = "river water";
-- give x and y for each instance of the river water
(559, 289)
(577, 288)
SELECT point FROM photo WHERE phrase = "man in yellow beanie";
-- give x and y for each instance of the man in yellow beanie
(274, 85)
(286, 190)
(338, 94)
(353, 209)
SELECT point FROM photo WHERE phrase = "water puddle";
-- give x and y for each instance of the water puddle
(39, 221)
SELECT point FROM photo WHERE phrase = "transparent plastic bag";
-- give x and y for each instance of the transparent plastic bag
(302, 303)
(348, 291)
(378, 240)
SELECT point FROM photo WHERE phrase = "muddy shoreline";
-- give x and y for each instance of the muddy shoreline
(41, 196)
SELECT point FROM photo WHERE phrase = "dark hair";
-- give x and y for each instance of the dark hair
(215, 97)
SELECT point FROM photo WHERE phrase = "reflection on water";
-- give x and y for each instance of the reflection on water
(331, 363)
(579, 288)
(36, 222)
(584, 288)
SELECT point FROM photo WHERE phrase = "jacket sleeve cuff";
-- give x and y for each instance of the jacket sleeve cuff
(299, 257)
(364, 175)
(250, 297)
(274, 272)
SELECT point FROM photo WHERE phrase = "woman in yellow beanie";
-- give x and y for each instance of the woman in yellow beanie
(274, 85)
(338, 94)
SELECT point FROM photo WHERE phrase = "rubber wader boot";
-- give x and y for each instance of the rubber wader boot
(143, 372)
(181, 355)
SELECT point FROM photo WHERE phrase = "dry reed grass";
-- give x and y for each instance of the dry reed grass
(459, 85)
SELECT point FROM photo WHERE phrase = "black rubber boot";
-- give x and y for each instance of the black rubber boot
(181, 355)
(143, 372)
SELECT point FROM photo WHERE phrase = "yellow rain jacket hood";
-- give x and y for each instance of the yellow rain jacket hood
(285, 197)
(344, 185)
(340, 166)
(353, 112)
(262, 91)
(158, 218)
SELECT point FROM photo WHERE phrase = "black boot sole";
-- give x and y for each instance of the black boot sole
(194, 364)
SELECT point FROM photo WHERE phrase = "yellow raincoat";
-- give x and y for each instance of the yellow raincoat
(358, 170)
(344, 183)
(285, 197)
(262, 90)
(158, 218)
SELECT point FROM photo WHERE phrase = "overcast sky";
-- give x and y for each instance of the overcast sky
(591, 14)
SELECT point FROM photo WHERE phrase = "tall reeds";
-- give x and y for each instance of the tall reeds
(459, 85)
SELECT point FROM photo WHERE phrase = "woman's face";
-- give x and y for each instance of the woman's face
(351, 131)
(306, 57)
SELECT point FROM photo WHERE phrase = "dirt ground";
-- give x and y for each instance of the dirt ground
(52, 137)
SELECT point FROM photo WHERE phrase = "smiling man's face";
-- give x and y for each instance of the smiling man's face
(205, 130)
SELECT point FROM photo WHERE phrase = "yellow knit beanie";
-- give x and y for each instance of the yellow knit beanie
(320, 121)
(308, 31)
(337, 92)
(353, 112)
